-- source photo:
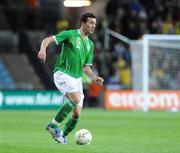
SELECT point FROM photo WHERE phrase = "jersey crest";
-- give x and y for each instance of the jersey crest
(88, 48)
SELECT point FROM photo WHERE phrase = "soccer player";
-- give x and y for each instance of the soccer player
(75, 57)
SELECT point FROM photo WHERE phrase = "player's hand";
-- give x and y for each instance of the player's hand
(42, 55)
(99, 81)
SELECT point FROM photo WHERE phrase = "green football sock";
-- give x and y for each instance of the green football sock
(54, 124)
(70, 125)
(65, 109)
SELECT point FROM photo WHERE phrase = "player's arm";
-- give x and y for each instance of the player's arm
(98, 80)
(44, 45)
(58, 38)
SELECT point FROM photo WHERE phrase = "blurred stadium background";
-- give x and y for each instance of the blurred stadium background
(137, 48)
(120, 55)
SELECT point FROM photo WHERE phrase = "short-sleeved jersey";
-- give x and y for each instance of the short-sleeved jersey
(75, 52)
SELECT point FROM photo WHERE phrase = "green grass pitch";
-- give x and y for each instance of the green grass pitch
(23, 131)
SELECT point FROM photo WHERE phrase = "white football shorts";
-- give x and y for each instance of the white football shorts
(67, 84)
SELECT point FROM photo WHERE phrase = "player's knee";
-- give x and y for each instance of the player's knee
(76, 98)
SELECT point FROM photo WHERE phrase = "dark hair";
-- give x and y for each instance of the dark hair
(87, 15)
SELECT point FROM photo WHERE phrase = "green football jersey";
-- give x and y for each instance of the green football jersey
(75, 52)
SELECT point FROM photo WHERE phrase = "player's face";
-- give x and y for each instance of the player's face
(90, 25)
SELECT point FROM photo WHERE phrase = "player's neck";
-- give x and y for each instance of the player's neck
(83, 33)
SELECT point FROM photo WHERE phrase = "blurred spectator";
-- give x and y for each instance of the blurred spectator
(168, 26)
(156, 25)
(62, 24)
(119, 48)
(125, 75)
(32, 3)
(177, 27)
(94, 93)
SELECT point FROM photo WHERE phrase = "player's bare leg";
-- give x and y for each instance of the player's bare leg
(73, 120)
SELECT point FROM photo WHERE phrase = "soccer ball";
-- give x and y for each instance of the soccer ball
(83, 137)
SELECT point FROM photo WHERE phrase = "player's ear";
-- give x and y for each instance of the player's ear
(82, 22)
